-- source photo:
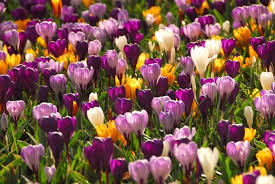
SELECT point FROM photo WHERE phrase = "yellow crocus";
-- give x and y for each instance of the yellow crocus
(242, 35)
(249, 134)
(87, 3)
(13, 60)
(237, 179)
(3, 67)
(262, 170)
(169, 71)
(131, 85)
(42, 42)
(218, 65)
(57, 6)
(255, 93)
(110, 130)
(265, 158)
(141, 60)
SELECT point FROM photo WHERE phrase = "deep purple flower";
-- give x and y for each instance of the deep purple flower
(56, 142)
(151, 73)
(122, 105)
(22, 41)
(264, 52)
(118, 167)
(82, 49)
(234, 93)
(95, 62)
(184, 80)
(187, 96)
(62, 33)
(152, 148)
(256, 41)
(228, 45)
(171, 94)
(19, 13)
(123, 126)
(238, 152)
(197, 3)
(48, 123)
(43, 94)
(6, 87)
(31, 154)
(204, 105)
(223, 128)
(68, 15)
(132, 26)
(117, 92)
(86, 106)
(232, 68)
(145, 98)
(132, 53)
(186, 154)
(249, 178)
(99, 153)
(57, 48)
(67, 126)
(219, 6)
(236, 132)
(206, 19)
(187, 65)
(70, 100)
(152, 61)
(162, 86)
(38, 10)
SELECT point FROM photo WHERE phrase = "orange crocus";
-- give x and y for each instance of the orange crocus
(57, 6)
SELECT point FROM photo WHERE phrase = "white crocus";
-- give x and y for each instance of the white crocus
(29, 57)
(200, 58)
(214, 47)
(151, 46)
(208, 159)
(95, 116)
(121, 42)
(150, 19)
(226, 26)
(266, 78)
(265, 179)
(272, 5)
(165, 39)
(248, 113)
(92, 97)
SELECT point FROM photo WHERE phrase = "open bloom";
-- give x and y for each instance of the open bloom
(46, 30)
(264, 158)
(139, 170)
(238, 152)
(151, 73)
(165, 38)
(138, 121)
(95, 116)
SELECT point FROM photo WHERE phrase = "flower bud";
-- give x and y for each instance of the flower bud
(266, 79)
(248, 113)
(95, 116)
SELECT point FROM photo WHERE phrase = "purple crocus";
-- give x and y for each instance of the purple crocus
(187, 65)
(43, 93)
(98, 9)
(257, 41)
(50, 171)
(145, 98)
(192, 31)
(56, 142)
(236, 132)
(76, 37)
(31, 154)
(158, 103)
(122, 105)
(58, 83)
(162, 86)
(87, 105)
(117, 92)
(228, 45)
(204, 105)
(132, 53)
(151, 73)
(225, 86)
(67, 126)
(44, 109)
(110, 25)
(210, 90)
(153, 60)
(99, 153)
(46, 30)
(57, 47)
(186, 154)
(118, 167)
(160, 168)
(94, 47)
(139, 170)
(167, 119)
(266, 105)
(48, 123)
(12, 38)
(184, 133)
(81, 49)
(123, 126)
(232, 68)
(121, 68)
(176, 107)
(223, 129)
(15, 109)
(238, 152)
(187, 96)
(152, 148)
(112, 58)
(184, 80)
(71, 100)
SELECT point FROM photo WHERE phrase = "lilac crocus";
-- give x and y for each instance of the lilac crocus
(151, 73)
(99, 153)
(50, 171)
(167, 119)
(210, 90)
(32, 154)
(44, 109)
(158, 103)
(94, 47)
(152, 148)
(118, 168)
(187, 96)
(98, 9)
(186, 154)
(212, 30)
(15, 109)
(225, 86)
(80, 75)
(232, 68)
(236, 132)
(228, 45)
(12, 38)
(187, 65)
(46, 30)
(112, 58)
(139, 170)
(123, 126)
(160, 168)
(58, 83)
(266, 105)
(238, 152)
(177, 107)
(132, 53)
(76, 37)
(184, 133)
(192, 31)
(67, 126)
(110, 25)
(138, 121)
(56, 143)
(121, 68)
(122, 105)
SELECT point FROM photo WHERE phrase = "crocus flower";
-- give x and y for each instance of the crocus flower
(123, 126)
(46, 30)
(158, 103)
(160, 168)
(208, 159)
(162, 86)
(232, 68)
(118, 167)
(236, 132)
(112, 58)
(132, 53)
(265, 179)
(187, 65)
(184, 133)
(50, 171)
(266, 79)
(31, 154)
(44, 109)
(248, 114)
(176, 107)
(187, 97)
(116, 92)
(138, 121)
(57, 6)
(266, 105)
(225, 86)
(165, 39)
(99, 153)
(152, 148)
(223, 128)
(210, 90)
(167, 119)
(4, 122)
(238, 152)
(186, 154)
(145, 98)
(213, 46)
(58, 83)
(94, 47)
(76, 37)
(86, 106)
(228, 45)
(12, 38)
(264, 158)
(95, 116)
(110, 25)
(184, 80)
(56, 142)
(122, 105)
(81, 76)
(139, 170)
(204, 105)
(200, 58)
(98, 9)
(57, 48)
(67, 126)
(256, 41)
(192, 31)
(151, 73)
(81, 49)
(121, 42)
(71, 102)
(15, 109)
(48, 123)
